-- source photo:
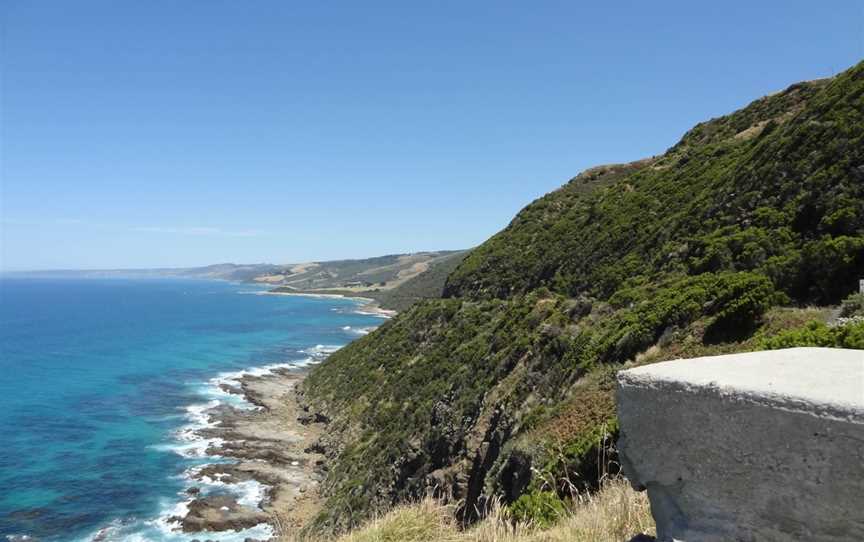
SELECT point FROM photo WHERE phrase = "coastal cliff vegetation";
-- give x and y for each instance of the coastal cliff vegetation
(394, 282)
(501, 391)
(612, 514)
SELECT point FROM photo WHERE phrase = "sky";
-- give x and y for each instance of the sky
(162, 133)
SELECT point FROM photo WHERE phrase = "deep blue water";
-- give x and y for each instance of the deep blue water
(97, 377)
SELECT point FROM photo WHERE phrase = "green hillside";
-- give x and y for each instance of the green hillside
(395, 280)
(504, 387)
(775, 188)
(427, 285)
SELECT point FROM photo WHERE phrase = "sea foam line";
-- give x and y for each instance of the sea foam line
(191, 445)
(359, 330)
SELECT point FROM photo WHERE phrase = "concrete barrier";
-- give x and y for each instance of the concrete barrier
(762, 446)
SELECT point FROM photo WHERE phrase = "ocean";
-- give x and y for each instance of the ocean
(102, 382)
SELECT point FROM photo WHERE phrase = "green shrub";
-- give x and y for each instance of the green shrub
(741, 299)
(542, 508)
(818, 334)
(852, 306)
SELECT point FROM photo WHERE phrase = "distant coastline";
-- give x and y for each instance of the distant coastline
(370, 306)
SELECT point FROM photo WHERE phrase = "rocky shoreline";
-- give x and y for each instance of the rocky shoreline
(274, 445)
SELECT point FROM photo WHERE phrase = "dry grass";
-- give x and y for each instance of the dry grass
(616, 513)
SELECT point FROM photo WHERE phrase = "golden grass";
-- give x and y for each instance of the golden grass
(616, 513)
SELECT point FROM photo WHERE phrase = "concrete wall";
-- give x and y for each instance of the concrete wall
(760, 446)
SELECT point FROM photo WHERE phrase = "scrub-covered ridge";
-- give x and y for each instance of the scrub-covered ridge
(504, 386)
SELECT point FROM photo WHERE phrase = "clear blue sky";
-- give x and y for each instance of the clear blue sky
(176, 133)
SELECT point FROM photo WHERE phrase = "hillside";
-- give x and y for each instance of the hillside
(426, 285)
(504, 387)
(394, 281)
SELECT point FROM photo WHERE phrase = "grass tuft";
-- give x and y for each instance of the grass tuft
(615, 513)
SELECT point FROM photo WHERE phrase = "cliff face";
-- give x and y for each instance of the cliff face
(507, 380)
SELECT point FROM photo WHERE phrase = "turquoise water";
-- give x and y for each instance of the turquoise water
(101, 382)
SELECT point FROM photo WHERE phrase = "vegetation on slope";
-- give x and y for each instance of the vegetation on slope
(355, 276)
(505, 386)
(395, 282)
(426, 285)
(785, 202)
(817, 333)
(613, 514)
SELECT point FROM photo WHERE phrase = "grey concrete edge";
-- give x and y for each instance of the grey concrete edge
(836, 411)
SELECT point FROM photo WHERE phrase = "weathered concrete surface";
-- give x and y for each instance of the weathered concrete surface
(761, 446)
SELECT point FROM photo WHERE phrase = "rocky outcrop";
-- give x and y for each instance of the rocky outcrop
(220, 513)
(273, 445)
(765, 446)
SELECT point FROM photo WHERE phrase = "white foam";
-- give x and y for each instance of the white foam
(187, 442)
(360, 330)
(198, 415)
(190, 444)
(165, 528)
(168, 522)
(251, 493)
(322, 350)
(378, 313)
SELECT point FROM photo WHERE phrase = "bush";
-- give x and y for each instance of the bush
(818, 334)
(742, 300)
(852, 306)
(541, 508)
(831, 265)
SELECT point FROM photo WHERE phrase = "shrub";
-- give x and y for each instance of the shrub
(852, 306)
(541, 508)
(742, 299)
(818, 334)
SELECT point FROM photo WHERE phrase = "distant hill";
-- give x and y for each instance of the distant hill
(395, 281)
(505, 386)
(224, 271)
(426, 285)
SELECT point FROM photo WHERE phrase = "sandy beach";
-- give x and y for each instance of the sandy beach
(370, 306)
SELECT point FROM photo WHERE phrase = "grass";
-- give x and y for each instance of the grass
(615, 513)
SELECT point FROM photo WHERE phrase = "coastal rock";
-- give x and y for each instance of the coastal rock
(220, 513)
(234, 390)
(314, 417)
(271, 447)
(222, 472)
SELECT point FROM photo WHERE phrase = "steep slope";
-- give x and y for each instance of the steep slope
(773, 188)
(505, 386)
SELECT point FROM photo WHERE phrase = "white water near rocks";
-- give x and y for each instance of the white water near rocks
(207, 338)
